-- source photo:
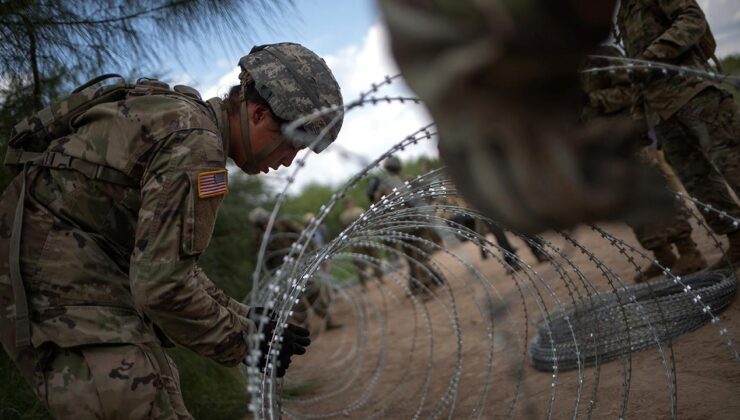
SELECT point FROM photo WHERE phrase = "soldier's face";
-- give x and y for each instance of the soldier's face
(264, 133)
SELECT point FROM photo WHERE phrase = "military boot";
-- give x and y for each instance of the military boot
(664, 254)
(732, 255)
(690, 259)
(513, 264)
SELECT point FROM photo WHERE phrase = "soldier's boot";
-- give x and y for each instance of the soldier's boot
(690, 259)
(664, 254)
(513, 264)
(378, 273)
(540, 255)
(732, 255)
(330, 324)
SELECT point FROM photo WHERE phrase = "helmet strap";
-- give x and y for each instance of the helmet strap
(270, 148)
(250, 165)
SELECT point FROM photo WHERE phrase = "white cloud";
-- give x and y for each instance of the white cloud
(367, 131)
(223, 85)
(723, 17)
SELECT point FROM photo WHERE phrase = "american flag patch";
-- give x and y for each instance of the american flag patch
(212, 183)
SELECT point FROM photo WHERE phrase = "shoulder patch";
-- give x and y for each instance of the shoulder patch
(212, 183)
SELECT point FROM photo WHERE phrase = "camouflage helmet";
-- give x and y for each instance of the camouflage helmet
(296, 82)
(392, 164)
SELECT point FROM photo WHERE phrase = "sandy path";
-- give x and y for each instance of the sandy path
(388, 361)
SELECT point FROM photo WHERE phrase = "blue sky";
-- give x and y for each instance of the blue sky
(324, 26)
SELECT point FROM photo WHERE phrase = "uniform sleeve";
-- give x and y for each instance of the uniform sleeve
(611, 100)
(688, 26)
(175, 224)
(221, 297)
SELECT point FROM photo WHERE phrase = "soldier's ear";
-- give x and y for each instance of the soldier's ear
(258, 113)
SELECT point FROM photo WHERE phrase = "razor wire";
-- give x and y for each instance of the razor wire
(441, 330)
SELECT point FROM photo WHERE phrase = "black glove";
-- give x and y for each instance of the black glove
(294, 340)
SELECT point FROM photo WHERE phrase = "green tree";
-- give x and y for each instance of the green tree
(731, 66)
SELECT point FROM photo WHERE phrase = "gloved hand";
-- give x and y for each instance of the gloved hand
(294, 340)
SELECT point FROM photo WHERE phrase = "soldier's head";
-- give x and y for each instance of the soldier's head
(392, 165)
(280, 84)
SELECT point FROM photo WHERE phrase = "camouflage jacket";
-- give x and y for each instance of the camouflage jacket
(668, 30)
(608, 94)
(105, 263)
(387, 183)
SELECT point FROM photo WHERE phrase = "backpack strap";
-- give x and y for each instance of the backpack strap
(90, 170)
(22, 320)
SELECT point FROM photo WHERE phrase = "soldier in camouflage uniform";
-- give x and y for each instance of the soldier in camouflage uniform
(282, 236)
(696, 121)
(418, 253)
(482, 228)
(350, 214)
(318, 295)
(609, 95)
(101, 235)
(500, 79)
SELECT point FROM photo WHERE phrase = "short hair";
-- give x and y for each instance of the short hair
(233, 99)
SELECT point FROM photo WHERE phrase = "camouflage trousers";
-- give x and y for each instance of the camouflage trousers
(362, 265)
(108, 381)
(422, 275)
(675, 226)
(701, 144)
(317, 299)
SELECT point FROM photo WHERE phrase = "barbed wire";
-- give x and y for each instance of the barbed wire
(439, 327)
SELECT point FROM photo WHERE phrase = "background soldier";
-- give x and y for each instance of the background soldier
(351, 213)
(282, 236)
(610, 96)
(482, 228)
(697, 122)
(418, 253)
(106, 221)
(318, 295)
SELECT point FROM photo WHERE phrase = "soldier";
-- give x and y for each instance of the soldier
(696, 121)
(318, 295)
(482, 228)
(103, 227)
(282, 236)
(351, 213)
(421, 273)
(500, 80)
(610, 96)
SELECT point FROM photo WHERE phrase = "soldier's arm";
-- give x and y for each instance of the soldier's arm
(221, 297)
(611, 100)
(174, 227)
(688, 26)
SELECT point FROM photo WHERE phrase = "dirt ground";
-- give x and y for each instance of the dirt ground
(396, 358)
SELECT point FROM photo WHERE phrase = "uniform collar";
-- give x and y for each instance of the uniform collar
(221, 117)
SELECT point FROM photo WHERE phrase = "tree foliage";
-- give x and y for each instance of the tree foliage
(731, 66)
(312, 197)
(39, 37)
